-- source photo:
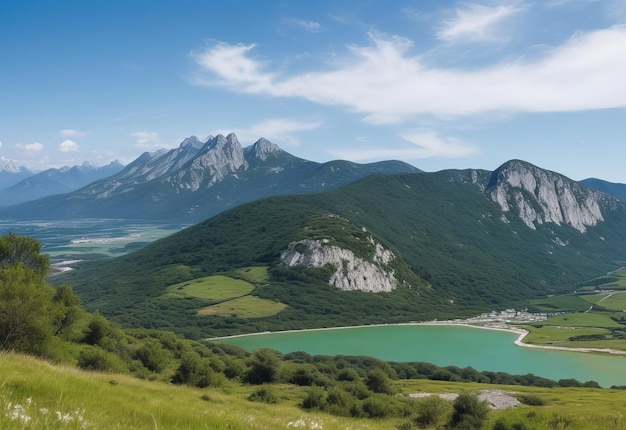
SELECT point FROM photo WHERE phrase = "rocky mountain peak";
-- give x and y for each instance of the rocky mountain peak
(191, 141)
(7, 165)
(263, 149)
(540, 196)
(219, 157)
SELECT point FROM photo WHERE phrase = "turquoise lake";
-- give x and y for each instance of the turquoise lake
(445, 346)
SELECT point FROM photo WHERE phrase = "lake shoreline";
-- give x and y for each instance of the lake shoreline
(522, 333)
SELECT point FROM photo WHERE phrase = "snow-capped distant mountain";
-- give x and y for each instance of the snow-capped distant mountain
(10, 174)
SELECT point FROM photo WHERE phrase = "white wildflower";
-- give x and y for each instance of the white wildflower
(17, 412)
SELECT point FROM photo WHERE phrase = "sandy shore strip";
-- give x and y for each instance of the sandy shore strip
(496, 326)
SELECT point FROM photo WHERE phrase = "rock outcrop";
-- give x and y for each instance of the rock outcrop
(352, 273)
(539, 196)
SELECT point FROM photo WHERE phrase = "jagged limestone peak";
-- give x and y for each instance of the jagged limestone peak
(191, 141)
(263, 149)
(541, 196)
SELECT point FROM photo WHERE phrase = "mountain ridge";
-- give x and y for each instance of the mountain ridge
(197, 180)
(56, 181)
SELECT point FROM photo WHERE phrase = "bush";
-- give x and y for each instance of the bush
(97, 359)
(315, 398)
(378, 406)
(379, 382)
(195, 371)
(339, 402)
(264, 366)
(531, 399)
(468, 412)
(433, 410)
(264, 394)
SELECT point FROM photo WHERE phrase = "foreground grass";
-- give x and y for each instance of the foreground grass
(37, 395)
(561, 408)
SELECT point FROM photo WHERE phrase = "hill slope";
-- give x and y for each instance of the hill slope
(616, 190)
(462, 242)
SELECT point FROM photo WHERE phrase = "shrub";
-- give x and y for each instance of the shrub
(531, 399)
(315, 398)
(97, 359)
(433, 410)
(468, 412)
(339, 402)
(264, 366)
(378, 406)
(378, 381)
(264, 394)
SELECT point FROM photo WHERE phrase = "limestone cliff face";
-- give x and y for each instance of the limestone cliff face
(539, 196)
(352, 273)
(220, 157)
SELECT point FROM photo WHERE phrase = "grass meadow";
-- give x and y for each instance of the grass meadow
(217, 288)
(37, 395)
(245, 307)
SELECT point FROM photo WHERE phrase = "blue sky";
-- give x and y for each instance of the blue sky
(443, 84)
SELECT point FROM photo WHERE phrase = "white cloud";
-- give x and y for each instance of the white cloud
(0, 144)
(68, 146)
(146, 139)
(425, 144)
(387, 84)
(310, 26)
(230, 63)
(72, 134)
(278, 130)
(476, 23)
(30, 147)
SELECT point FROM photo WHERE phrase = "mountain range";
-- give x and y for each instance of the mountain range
(11, 174)
(385, 248)
(197, 180)
(56, 181)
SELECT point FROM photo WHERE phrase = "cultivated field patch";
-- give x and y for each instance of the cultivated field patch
(216, 288)
(244, 307)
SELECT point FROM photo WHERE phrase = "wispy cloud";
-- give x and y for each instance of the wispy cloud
(475, 22)
(310, 26)
(424, 143)
(145, 139)
(68, 146)
(387, 84)
(72, 134)
(30, 147)
(279, 130)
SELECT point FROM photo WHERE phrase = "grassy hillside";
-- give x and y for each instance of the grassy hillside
(37, 395)
(457, 257)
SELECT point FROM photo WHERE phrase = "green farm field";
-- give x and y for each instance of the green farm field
(245, 307)
(615, 301)
(217, 288)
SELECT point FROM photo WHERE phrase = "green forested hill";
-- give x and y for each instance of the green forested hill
(459, 254)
